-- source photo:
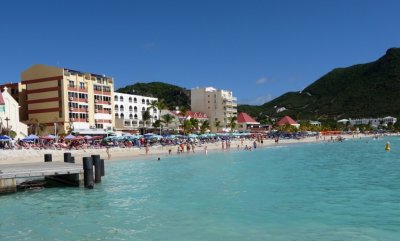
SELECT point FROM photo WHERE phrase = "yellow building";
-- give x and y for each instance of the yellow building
(68, 100)
(219, 105)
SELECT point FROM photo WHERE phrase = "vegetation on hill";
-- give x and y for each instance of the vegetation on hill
(171, 95)
(363, 90)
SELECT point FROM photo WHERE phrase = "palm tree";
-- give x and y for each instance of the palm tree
(187, 126)
(204, 126)
(153, 105)
(217, 125)
(160, 106)
(195, 123)
(232, 122)
(145, 117)
(35, 127)
(167, 119)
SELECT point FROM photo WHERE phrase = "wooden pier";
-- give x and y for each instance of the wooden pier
(69, 173)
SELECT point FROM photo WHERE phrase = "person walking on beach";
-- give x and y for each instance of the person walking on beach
(146, 148)
(108, 153)
(193, 147)
(205, 150)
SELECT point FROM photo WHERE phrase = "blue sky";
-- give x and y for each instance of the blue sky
(257, 49)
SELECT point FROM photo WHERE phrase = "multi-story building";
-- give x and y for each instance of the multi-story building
(9, 115)
(67, 99)
(129, 109)
(219, 105)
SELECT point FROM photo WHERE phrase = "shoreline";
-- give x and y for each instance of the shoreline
(132, 154)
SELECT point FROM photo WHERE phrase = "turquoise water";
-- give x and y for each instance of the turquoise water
(335, 191)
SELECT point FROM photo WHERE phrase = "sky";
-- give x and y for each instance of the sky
(257, 49)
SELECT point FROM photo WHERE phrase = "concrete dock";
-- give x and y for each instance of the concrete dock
(61, 171)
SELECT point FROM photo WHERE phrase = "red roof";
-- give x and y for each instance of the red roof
(245, 118)
(286, 120)
(1, 99)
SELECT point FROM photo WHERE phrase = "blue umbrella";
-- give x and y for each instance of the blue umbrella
(5, 138)
(31, 138)
(69, 137)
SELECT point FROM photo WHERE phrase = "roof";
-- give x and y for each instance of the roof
(245, 118)
(286, 120)
(1, 99)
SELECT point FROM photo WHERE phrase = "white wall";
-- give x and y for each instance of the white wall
(12, 112)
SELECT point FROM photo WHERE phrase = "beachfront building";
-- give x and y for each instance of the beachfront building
(218, 105)
(67, 100)
(129, 111)
(287, 120)
(374, 122)
(9, 115)
(178, 118)
(246, 122)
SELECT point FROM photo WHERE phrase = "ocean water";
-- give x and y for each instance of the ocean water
(335, 191)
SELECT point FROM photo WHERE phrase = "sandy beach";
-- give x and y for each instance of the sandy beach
(31, 155)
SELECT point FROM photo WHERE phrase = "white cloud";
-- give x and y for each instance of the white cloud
(262, 80)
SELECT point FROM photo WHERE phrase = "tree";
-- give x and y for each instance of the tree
(35, 127)
(217, 125)
(153, 106)
(232, 122)
(145, 117)
(195, 123)
(205, 126)
(187, 126)
(167, 119)
(160, 106)
(157, 124)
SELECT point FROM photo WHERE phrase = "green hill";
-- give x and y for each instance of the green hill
(172, 95)
(363, 90)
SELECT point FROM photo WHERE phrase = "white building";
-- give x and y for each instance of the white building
(375, 122)
(218, 105)
(9, 114)
(129, 109)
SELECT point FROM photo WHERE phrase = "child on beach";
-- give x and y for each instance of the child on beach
(108, 153)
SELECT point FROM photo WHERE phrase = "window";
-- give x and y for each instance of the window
(71, 83)
(147, 101)
(122, 115)
(130, 108)
(134, 100)
(135, 116)
(143, 109)
(116, 115)
(121, 98)
(130, 116)
(135, 108)
(116, 98)
(121, 107)
(143, 101)
(130, 99)
(82, 85)
(116, 107)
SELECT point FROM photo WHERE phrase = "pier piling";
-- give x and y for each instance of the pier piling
(97, 168)
(102, 167)
(48, 158)
(88, 172)
(67, 157)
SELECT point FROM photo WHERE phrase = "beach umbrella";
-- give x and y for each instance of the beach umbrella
(30, 138)
(69, 137)
(79, 138)
(88, 137)
(97, 137)
(48, 137)
(5, 138)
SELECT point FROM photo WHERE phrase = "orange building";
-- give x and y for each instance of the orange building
(67, 100)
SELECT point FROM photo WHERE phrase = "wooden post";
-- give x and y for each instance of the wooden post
(88, 172)
(102, 167)
(67, 157)
(97, 168)
(48, 158)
